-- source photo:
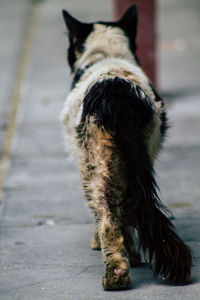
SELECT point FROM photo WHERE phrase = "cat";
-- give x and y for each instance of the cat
(115, 123)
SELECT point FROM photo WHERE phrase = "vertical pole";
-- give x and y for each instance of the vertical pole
(146, 38)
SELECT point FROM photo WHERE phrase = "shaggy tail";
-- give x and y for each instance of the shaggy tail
(124, 111)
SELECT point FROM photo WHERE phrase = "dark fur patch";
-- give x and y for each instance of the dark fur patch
(77, 76)
(114, 101)
(78, 33)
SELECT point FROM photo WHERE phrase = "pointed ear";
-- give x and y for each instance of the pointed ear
(73, 25)
(77, 30)
(78, 33)
(129, 21)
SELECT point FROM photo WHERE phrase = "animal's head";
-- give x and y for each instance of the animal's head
(105, 38)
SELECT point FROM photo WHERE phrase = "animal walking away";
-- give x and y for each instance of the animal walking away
(115, 123)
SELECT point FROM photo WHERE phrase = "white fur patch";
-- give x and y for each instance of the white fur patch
(111, 40)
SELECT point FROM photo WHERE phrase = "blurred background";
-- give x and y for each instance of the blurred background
(45, 225)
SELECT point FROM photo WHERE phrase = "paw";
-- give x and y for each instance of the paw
(117, 277)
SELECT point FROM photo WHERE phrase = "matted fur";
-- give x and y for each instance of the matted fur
(114, 124)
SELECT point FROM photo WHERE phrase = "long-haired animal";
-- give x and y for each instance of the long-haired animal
(115, 123)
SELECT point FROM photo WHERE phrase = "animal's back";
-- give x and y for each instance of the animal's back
(121, 84)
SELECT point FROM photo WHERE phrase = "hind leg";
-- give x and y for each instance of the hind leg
(114, 253)
(103, 187)
(133, 254)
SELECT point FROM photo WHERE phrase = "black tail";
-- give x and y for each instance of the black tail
(125, 111)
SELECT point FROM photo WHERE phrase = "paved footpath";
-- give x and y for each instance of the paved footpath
(45, 227)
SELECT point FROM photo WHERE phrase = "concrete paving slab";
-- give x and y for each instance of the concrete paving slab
(33, 140)
(179, 164)
(55, 262)
(39, 172)
(30, 207)
(184, 118)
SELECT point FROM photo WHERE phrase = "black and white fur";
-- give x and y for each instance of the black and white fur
(115, 123)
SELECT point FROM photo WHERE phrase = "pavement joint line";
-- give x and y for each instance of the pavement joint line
(16, 95)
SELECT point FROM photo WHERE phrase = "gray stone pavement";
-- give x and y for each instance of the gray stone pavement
(45, 227)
